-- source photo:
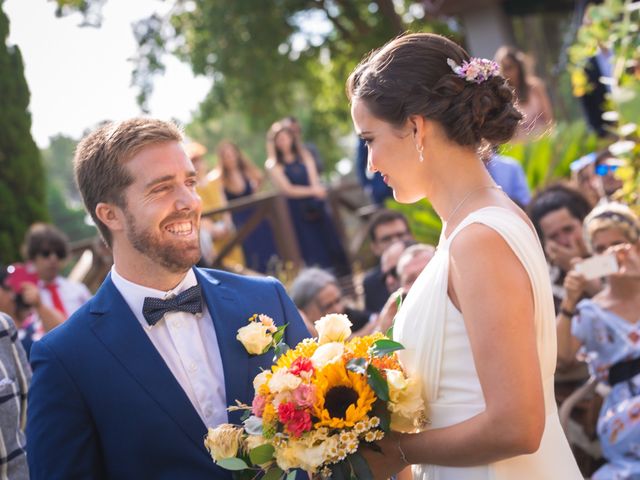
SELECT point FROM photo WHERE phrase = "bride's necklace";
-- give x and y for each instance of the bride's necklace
(468, 195)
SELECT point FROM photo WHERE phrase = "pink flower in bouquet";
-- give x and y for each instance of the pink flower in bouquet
(302, 367)
(258, 404)
(296, 421)
(305, 396)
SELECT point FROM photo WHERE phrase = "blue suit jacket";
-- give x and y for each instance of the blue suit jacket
(103, 403)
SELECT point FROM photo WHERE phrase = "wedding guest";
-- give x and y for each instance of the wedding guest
(240, 178)
(605, 328)
(389, 263)
(218, 228)
(316, 293)
(557, 213)
(293, 172)
(47, 248)
(127, 387)
(384, 228)
(412, 262)
(22, 303)
(15, 376)
(508, 173)
(531, 94)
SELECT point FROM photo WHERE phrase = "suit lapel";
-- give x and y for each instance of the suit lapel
(223, 305)
(119, 330)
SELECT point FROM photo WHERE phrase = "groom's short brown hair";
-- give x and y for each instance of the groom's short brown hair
(101, 157)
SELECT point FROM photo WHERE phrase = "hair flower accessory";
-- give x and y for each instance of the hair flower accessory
(476, 70)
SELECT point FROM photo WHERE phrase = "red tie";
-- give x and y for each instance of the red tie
(55, 296)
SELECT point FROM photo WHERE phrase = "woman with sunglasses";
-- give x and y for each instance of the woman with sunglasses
(607, 328)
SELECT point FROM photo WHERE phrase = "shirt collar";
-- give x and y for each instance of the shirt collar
(134, 294)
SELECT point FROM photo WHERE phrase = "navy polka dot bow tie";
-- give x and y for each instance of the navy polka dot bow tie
(189, 301)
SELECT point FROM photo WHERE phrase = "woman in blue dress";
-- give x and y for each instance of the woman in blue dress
(293, 172)
(240, 178)
(607, 329)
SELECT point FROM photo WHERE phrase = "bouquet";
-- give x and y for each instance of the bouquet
(320, 402)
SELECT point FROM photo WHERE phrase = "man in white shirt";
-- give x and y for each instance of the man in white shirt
(47, 248)
(127, 387)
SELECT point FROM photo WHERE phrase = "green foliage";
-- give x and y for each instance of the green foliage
(423, 220)
(270, 59)
(547, 158)
(64, 202)
(22, 187)
(615, 25)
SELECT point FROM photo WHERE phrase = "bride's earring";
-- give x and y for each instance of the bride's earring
(420, 155)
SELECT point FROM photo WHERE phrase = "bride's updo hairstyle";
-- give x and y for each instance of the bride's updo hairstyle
(410, 76)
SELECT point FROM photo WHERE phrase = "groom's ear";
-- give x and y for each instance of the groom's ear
(111, 215)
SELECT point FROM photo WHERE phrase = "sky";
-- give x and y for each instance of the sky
(81, 76)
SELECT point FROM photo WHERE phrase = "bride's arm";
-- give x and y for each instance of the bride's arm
(495, 296)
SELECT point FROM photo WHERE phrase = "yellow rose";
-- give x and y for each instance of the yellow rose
(261, 379)
(327, 353)
(282, 381)
(223, 441)
(333, 328)
(405, 402)
(255, 337)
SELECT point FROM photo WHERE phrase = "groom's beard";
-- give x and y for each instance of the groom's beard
(176, 256)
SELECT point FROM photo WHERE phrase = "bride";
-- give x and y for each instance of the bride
(478, 324)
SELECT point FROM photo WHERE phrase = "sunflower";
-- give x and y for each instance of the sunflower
(305, 348)
(344, 397)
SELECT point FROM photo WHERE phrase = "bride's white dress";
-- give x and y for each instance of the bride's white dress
(437, 350)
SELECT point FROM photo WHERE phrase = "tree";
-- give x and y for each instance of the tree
(22, 183)
(64, 202)
(269, 59)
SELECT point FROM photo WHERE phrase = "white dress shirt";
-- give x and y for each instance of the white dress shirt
(188, 345)
(72, 294)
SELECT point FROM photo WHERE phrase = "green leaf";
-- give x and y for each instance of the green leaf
(277, 337)
(360, 466)
(384, 347)
(378, 383)
(341, 471)
(280, 349)
(274, 473)
(233, 464)
(357, 365)
(261, 454)
(291, 475)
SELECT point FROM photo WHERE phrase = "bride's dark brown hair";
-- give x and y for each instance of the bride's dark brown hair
(410, 76)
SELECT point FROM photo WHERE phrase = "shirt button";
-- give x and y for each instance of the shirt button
(192, 367)
(208, 412)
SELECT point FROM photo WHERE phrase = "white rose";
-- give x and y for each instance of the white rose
(261, 379)
(327, 353)
(223, 441)
(282, 381)
(333, 328)
(255, 337)
(300, 455)
(405, 402)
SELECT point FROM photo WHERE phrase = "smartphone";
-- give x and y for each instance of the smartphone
(598, 266)
(19, 274)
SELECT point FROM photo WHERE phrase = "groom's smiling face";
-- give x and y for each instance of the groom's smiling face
(162, 212)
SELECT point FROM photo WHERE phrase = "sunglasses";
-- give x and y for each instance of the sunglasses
(603, 169)
(392, 272)
(47, 253)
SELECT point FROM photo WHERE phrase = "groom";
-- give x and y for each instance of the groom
(127, 387)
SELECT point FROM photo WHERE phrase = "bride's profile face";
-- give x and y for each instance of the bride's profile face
(391, 152)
